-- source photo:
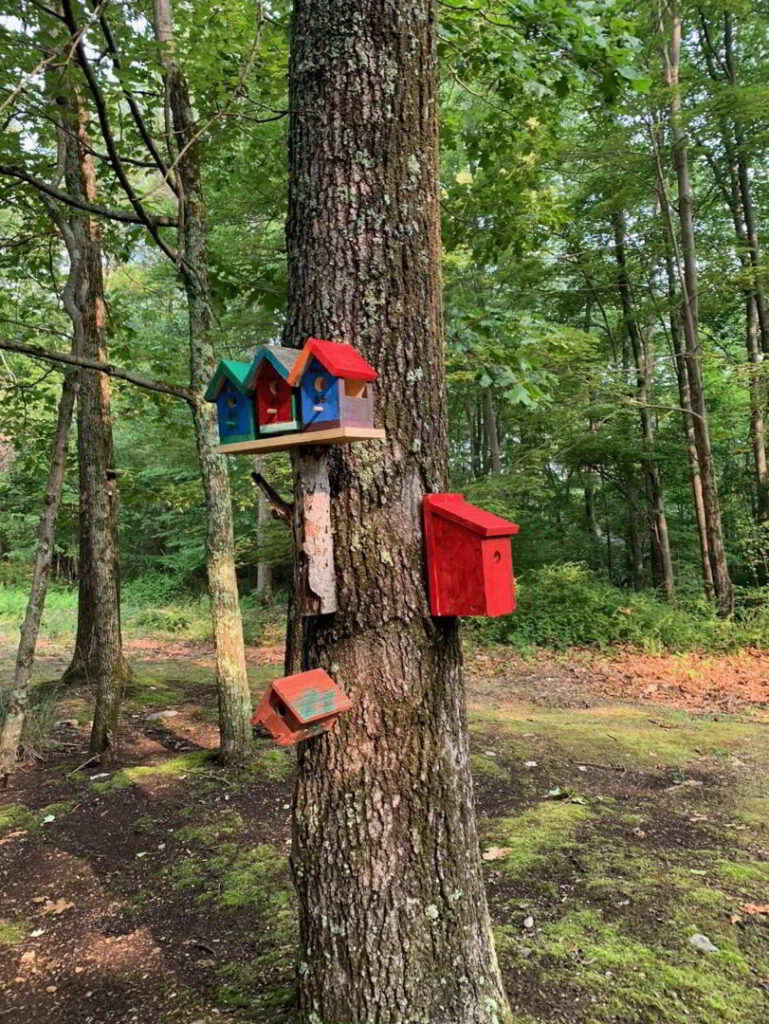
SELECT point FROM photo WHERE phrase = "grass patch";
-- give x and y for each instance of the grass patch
(16, 816)
(483, 765)
(273, 763)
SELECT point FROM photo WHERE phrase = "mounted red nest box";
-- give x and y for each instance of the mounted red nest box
(469, 558)
(297, 707)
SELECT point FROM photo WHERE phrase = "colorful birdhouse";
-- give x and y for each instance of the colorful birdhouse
(234, 404)
(469, 558)
(298, 707)
(275, 398)
(336, 386)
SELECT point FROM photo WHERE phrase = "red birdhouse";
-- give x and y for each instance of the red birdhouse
(297, 707)
(469, 558)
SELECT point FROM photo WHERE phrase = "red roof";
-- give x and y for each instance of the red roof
(455, 508)
(337, 357)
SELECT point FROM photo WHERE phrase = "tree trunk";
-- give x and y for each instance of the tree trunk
(679, 361)
(98, 655)
(722, 584)
(263, 568)
(14, 722)
(757, 430)
(393, 917)
(472, 428)
(490, 432)
(232, 681)
(660, 540)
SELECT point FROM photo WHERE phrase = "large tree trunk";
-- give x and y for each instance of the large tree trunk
(98, 655)
(393, 918)
(232, 681)
(662, 561)
(722, 584)
(14, 722)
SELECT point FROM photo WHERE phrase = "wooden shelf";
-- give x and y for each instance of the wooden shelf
(285, 442)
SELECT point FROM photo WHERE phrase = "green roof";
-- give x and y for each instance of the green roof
(233, 371)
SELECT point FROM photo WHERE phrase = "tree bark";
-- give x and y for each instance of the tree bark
(19, 699)
(263, 567)
(659, 530)
(722, 584)
(490, 432)
(232, 681)
(393, 917)
(98, 654)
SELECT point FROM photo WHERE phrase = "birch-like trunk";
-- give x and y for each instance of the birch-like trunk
(393, 917)
(19, 698)
(232, 680)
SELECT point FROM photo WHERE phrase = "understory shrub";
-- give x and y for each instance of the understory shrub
(567, 605)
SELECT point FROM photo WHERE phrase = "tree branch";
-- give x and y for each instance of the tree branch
(106, 131)
(138, 379)
(281, 509)
(64, 197)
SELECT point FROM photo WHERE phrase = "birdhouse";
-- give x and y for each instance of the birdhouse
(298, 707)
(275, 398)
(336, 386)
(234, 406)
(469, 558)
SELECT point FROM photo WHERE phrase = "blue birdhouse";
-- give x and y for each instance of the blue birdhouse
(335, 386)
(234, 404)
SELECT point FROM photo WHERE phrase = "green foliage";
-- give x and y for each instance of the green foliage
(564, 606)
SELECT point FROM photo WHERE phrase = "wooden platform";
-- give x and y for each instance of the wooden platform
(285, 442)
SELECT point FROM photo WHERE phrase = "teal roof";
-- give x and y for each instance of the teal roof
(281, 359)
(233, 371)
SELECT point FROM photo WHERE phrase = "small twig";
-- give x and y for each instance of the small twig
(281, 509)
(85, 764)
(603, 767)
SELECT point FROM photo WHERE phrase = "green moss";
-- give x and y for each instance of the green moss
(480, 764)
(175, 767)
(13, 932)
(622, 978)
(275, 764)
(227, 823)
(538, 837)
(750, 877)
(16, 816)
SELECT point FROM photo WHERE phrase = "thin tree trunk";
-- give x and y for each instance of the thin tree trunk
(757, 430)
(659, 531)
(393, 917)
(98, 655)
(490, 432)
(19, 698)
(263, 567)
(470, 412)
(722, 584)
(232, 681)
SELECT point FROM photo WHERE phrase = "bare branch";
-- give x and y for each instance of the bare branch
(64, 197)
(138, 379)
(283, 510)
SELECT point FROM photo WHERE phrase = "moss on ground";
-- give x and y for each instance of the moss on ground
(483, 765)
(537, 838)
(13, 931)
(175, 767)
(16, 816)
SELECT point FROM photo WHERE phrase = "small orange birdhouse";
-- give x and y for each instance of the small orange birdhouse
(297, 707)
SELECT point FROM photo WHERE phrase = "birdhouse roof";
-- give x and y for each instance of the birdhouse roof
(228, 370)
(478, 520)
(339, 358)
(281, 359)
(311, 695)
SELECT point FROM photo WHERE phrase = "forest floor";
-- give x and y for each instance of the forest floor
(623, 807)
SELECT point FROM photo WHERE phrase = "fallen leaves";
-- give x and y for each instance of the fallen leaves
(57, 906)
(751, 909)
(496, 852)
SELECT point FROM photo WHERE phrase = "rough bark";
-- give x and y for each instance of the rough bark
(19, 697)
(659, 527)
(232, 681)
(722, 584)
(98, 654)
(263, 567)
(393, 917)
